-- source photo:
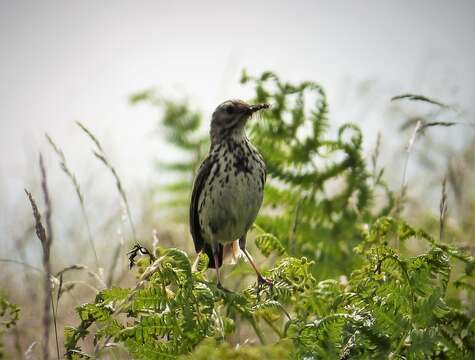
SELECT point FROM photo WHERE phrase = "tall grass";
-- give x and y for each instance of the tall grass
(101, 155)
(46, 246)
(72, 177)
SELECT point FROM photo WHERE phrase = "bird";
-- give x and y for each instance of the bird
(228, 188)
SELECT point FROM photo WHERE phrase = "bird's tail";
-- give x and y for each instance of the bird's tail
(209, 251)
(231, 250)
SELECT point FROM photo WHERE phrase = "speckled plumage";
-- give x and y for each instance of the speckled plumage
(229, 186)
(232, 194)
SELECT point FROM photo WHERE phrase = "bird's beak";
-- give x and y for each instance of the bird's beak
(255, 108)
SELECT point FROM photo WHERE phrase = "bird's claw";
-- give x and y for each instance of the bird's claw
(261, 281)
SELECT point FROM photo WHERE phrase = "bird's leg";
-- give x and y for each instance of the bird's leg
(217, 270)
(216, 264)
(261, 280)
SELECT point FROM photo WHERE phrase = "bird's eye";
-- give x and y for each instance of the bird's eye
(229, 109)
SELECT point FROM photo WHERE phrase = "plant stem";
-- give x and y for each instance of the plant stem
(55, 326)
(257, 330)
(273, 327)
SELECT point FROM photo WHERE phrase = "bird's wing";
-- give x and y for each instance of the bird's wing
(195, 229)
(242, 240)
(203, 173)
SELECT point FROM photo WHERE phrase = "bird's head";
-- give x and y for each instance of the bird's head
(230, 117)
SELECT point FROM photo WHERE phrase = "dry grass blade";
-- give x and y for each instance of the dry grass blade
(414, 97)
(420, 125)
(91, 135)
(100, 154)
(113, 265)
(49, 233)
(376, 151)
(376, 175)
(79, 267)
(438, 123)
(443, 210)
(410, 122)
(41, 234)
(118, 183)
(60, 289)
(44, 187)
(12, 261)
(64, 166)
(21, 243)
(71, 268)
(455, 178)
(39, 229)
(295, 224)
(426, 124)
(29, 351)
(410, 145)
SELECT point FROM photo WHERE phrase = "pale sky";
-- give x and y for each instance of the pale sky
(62, 61)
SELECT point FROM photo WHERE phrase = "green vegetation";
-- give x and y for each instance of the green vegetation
(9, 314)
(344, 284)
(351, 278)
(392, 305)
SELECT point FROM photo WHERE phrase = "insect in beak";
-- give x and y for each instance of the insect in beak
(255, 108)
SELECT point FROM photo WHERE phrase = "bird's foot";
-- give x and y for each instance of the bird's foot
(263, 281)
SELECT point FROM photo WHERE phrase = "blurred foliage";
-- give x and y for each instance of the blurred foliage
(454, 161)
(9, 315)
(212, 350)
(320, 192)
(441, 158)
(343, 288)
(180, 126)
